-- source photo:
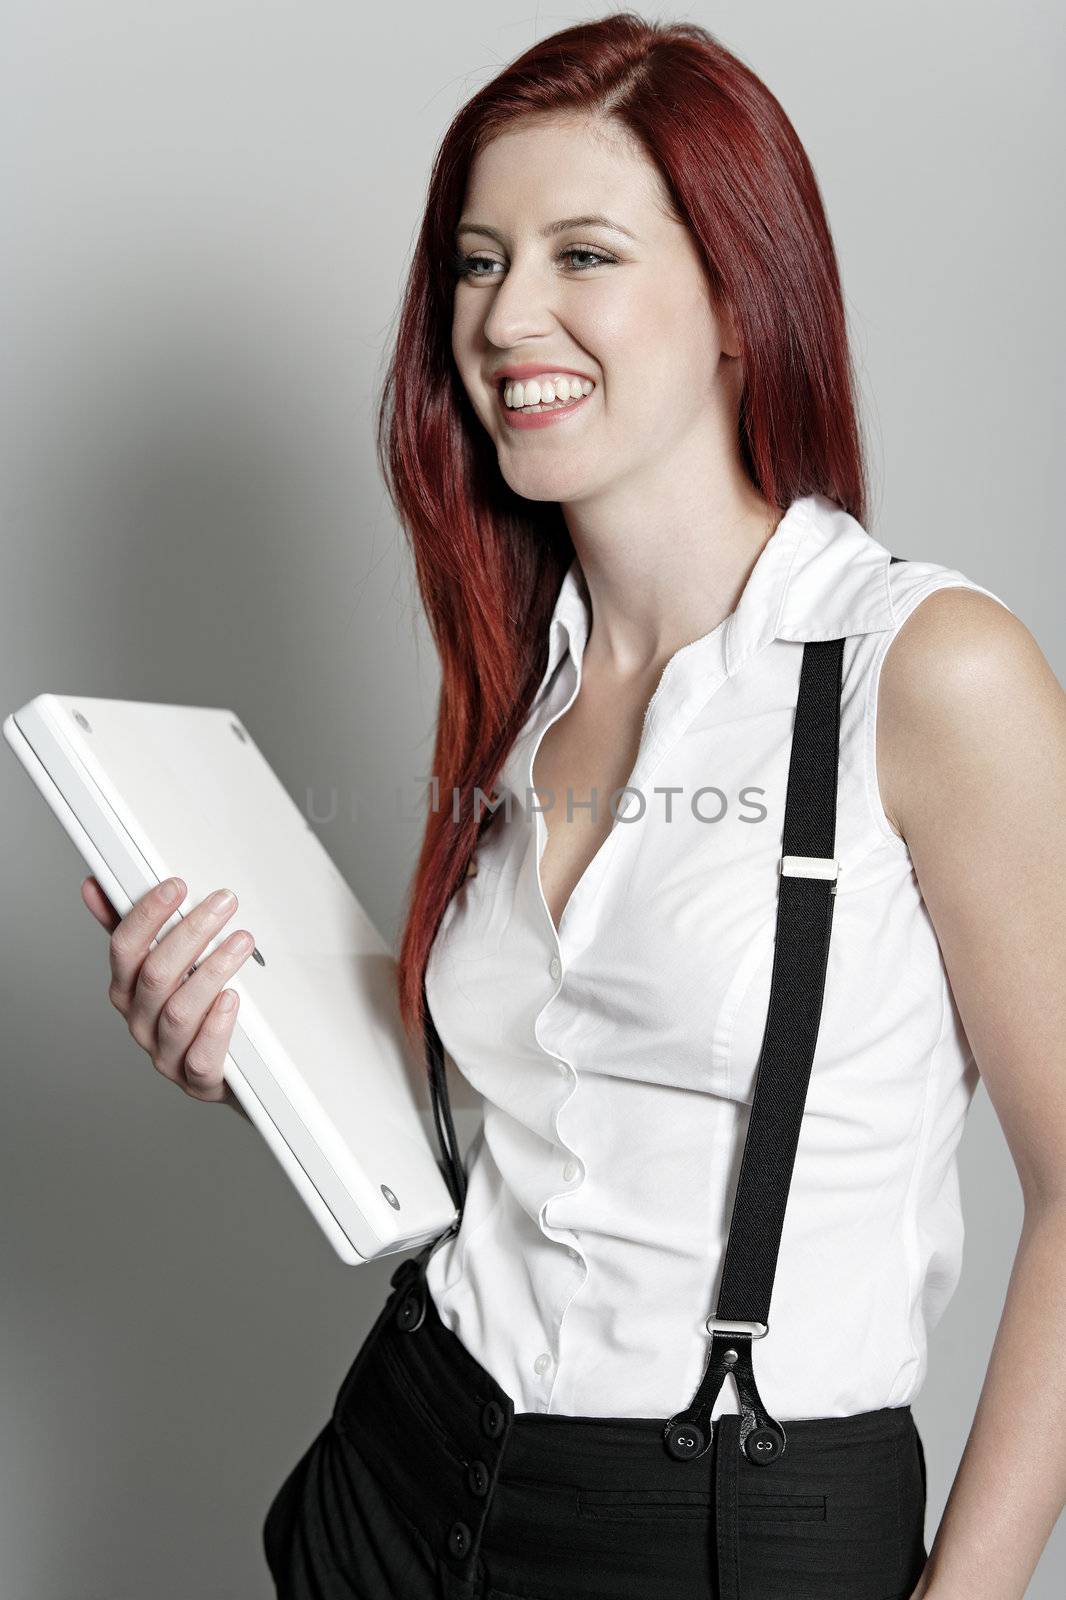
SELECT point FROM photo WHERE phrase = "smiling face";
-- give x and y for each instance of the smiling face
(627, 310)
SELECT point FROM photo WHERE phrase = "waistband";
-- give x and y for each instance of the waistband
(453, 1376)
(468, 1437)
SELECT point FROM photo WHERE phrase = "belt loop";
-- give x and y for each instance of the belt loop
(726, 1511)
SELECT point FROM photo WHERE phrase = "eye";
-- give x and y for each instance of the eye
(466, 266)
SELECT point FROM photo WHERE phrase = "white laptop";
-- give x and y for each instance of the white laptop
(318, 1058)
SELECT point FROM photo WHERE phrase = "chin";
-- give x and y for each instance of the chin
(561, 484)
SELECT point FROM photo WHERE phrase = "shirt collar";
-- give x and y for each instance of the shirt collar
(820, 575)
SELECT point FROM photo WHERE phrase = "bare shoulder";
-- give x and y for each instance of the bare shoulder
(965, 695)
(973, 742)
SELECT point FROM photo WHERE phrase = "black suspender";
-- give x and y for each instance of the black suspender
(805, 904)
(797, 987)
(451, 1165)
(801, 952)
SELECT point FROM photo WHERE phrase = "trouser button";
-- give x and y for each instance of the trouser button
(459, 1539)
(763, 1444)
(412, 1310)
(685, 1440)
(493, 1419)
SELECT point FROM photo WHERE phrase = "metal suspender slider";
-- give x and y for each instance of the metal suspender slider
(811, 867)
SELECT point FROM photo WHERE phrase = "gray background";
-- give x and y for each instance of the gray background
(208, 210)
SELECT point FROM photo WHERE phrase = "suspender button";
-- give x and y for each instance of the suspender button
(762, 1445)
(685, 1440)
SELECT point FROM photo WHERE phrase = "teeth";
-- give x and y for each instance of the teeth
(545, 391)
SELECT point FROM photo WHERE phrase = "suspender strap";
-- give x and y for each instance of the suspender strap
(451, 1165)
(409, 1278)
(801, 951)
(797, 985)
(804, 919)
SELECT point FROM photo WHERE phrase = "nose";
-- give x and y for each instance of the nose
(522, 307)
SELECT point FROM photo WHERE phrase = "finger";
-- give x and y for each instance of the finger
(94, 897)
(206, 1056)
(164, 969)
(133, 935)
(185, 1012)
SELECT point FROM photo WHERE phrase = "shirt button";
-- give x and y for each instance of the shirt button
(575, 1255)
(543, 1362)
(554, 967)
(563, 1068)
(570, 1170)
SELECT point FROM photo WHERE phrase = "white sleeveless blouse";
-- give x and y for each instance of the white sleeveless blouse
(617, 1061)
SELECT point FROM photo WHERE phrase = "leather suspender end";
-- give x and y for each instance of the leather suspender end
(687, 1434)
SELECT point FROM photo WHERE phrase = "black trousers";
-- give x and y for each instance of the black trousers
(425, 1482)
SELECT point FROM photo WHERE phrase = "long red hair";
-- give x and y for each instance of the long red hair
(489, 563)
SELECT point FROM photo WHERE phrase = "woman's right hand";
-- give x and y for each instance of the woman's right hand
(178, 1016)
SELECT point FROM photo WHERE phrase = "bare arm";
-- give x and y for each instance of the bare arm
(972, 764)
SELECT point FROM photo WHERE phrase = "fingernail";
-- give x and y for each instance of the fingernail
(222, 900)
(173, 890)
(227, 1000)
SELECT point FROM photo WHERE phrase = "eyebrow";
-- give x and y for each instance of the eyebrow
(593, 220)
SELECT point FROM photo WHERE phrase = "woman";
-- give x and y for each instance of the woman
(620, 429)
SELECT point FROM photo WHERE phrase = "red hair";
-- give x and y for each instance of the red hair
(489, 563)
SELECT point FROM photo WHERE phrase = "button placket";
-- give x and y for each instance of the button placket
(464, 1534)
